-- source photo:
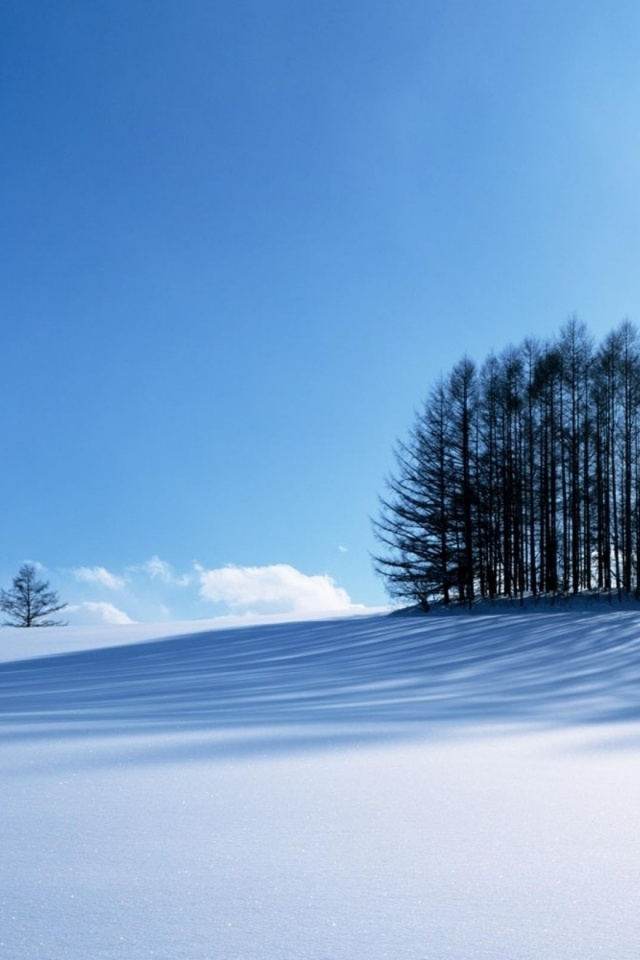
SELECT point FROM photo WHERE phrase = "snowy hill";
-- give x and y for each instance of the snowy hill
(401, 787)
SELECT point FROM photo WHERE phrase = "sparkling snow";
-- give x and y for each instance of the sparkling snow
(383, 787)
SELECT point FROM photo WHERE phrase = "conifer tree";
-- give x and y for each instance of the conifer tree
(30, 602)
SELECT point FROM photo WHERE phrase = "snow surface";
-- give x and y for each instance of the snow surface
(409, 788)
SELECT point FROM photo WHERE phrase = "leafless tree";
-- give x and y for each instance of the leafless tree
(30, 602)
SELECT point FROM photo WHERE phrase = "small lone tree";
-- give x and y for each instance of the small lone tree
(30, 601)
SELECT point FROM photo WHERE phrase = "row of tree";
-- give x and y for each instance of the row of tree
(522, 476)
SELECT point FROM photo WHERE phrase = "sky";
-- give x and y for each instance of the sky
(239, 244)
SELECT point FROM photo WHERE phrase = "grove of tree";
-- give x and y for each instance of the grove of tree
(521, 476)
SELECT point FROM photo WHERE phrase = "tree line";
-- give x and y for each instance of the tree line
(521, 476)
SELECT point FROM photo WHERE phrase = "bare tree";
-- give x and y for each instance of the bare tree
(30, 602)
(416, 525)
(522, 478)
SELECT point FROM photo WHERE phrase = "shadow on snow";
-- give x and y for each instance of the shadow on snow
(285, 687)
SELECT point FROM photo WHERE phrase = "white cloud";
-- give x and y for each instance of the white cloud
(91, 612)
(343, 549)
(159, 569)
(99, 575)
(279, 588)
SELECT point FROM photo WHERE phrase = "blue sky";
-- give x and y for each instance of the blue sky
(241, 241)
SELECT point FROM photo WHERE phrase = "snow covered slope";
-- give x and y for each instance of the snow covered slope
(374, 787)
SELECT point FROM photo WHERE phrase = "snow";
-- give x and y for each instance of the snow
(373, 787)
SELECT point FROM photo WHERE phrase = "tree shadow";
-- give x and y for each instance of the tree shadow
(277, 688)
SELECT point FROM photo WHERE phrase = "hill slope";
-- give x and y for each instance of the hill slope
(376, 675)
(374, 787)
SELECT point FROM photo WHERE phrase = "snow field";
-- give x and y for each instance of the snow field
(326, 791)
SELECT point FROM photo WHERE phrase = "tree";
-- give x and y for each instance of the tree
(30, 601)
(522, 478)
(415, 527)
(463, 398)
